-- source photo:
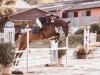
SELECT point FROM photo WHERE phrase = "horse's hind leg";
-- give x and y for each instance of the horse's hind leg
(22, 46)
(20, 54)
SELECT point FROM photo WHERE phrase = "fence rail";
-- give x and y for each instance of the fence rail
(83, 20)
(36, 57)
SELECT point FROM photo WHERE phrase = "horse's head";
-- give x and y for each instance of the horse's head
(66, 28)
(61, 27)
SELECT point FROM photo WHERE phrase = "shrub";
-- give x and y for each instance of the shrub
(80, 53)
(94, 27)
(98, 38)
(79, 31)
(7, 52)
(98, 31)
(75, 40)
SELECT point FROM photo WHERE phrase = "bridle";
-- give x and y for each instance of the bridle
(59, 30)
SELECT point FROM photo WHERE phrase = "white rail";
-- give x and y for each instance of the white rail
(37, 49)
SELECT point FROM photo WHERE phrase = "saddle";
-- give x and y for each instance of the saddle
(36, 30)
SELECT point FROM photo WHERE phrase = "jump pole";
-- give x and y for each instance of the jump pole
(27, 49)
(54, 46)
(86, 38)
(66, 51)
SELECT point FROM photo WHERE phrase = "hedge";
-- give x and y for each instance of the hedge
(77, 39)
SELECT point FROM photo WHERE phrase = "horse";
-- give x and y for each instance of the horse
(48, 31)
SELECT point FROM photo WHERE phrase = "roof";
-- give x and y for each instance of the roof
(80, 6)
(28, 15)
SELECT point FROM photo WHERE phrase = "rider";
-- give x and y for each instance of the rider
(37, 27)
(38, 23)
(48, 20)
(43, 20)
(53, 17)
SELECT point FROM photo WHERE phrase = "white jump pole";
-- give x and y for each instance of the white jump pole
(93, 37)
(89, 38)
(66, 51)
(27, 49)
(86, 38)
(54, 46)
(9, 32)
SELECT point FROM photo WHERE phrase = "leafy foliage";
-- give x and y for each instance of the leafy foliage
(95, 27)
(6, 8)
(75, 40)
(79, 31)
(7, 52)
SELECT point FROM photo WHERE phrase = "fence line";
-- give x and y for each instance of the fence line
(35, 49)
(38, 49)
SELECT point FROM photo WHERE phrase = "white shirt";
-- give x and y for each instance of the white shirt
(38, 23)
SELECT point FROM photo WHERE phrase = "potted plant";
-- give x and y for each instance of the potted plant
(81, 52)
(7, 52)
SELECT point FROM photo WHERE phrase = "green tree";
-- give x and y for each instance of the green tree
(95, 27)
(6, 9)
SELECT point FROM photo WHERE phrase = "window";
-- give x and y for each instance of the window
(75, 14)
(88, 13)
(64, 15)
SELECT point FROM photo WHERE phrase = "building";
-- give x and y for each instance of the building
(82, 13)
(27, 17)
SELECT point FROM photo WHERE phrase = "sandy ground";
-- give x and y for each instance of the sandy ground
(74, 66)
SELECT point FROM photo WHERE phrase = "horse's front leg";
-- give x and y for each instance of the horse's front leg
(57, 37)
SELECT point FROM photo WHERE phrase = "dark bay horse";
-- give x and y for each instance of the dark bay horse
(47, 32)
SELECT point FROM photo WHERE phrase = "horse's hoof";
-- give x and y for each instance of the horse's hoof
(16, 72)
(47, 65)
